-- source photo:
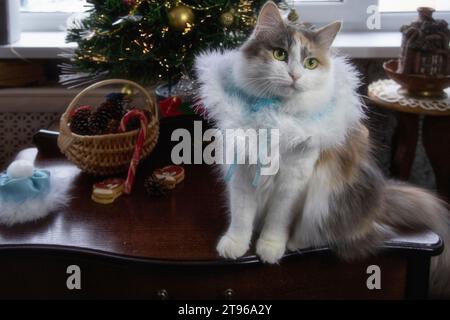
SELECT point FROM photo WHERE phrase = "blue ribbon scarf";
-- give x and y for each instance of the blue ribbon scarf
(251, 104)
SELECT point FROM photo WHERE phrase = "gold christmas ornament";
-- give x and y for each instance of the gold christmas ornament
(181, 17)
(127, 90)
(226, 19)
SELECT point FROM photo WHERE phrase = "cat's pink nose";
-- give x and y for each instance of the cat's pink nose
(294, 76)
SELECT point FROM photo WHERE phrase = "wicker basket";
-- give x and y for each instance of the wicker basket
(111, 153)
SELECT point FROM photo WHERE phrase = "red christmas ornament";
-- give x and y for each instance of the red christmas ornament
(170, 107)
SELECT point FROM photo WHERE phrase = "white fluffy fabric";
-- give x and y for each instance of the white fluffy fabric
(32, 210)
(20, 169)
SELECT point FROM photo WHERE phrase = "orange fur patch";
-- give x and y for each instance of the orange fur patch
(321, 54)
(344, 161)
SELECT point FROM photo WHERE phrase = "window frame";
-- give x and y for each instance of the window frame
(351, 12)
(43, 21)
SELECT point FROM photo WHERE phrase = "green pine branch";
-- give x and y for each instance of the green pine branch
(144, 47)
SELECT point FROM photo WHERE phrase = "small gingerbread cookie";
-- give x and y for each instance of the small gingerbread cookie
(175, 172)
(106, 192)
(169, 182)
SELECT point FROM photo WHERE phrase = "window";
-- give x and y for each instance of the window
(49, 15)
(52, 15)
(394, 13)
(352, 12)
(53, 5)
(411, 5)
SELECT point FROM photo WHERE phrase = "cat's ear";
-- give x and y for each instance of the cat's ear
(269, 19)
(326, 35)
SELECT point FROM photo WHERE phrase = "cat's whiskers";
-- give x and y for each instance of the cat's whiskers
(263, 89)
(273, 81)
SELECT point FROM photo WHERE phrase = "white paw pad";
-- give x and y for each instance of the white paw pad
(270, 251)
(232, 248)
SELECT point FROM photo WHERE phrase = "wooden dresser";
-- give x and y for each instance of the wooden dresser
(164, 248)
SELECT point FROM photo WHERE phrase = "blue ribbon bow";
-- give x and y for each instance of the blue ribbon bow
(19, 190)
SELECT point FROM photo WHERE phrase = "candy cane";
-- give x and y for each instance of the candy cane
(139, 145)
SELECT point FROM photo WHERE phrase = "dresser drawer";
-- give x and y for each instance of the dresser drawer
(43, 274)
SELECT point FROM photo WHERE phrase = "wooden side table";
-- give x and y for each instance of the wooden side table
(435, 131)
(159, 248)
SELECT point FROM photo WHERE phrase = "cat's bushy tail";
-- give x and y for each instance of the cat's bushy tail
(415, 208)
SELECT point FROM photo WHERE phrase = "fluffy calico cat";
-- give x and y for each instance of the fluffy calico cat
(328, 191)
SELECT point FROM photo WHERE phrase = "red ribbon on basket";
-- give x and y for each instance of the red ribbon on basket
(139, 145)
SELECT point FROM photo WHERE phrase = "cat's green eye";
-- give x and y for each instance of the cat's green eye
(280, 54)
(311, 63)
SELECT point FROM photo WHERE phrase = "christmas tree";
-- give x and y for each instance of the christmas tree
(150, 41)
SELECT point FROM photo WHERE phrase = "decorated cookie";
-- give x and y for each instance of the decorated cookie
(106, 192)
(169, 182)
(175, 172)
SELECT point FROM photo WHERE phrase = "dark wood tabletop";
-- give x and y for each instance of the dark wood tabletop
(183, 226)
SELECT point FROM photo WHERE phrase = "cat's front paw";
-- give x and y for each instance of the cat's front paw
(270, 251)
(294, 245)
(231, 247)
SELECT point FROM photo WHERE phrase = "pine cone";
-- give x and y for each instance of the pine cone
(99, 122)
(113, 126)
(114, 108)
(106, 118)
(154, 187)
(79, 121)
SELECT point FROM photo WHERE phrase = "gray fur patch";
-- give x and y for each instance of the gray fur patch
(352, 212)
(283, 38)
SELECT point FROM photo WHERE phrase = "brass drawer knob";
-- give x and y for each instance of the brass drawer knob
(163, 294)
(228, 294)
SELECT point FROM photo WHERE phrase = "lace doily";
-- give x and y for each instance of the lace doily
(387, 91)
